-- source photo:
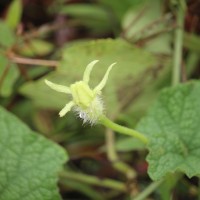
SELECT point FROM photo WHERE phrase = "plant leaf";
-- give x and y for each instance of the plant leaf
(94, 17)
(118, 7)
(192, 42)
(29, 163)
(8, 75)
(35, 47)
(84, 11)
(14, 13)
(131, 62)
(7, 37)
(172, 126)
(145, 17)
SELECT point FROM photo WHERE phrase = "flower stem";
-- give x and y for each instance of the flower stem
(143, 195)
(93, 180)
(121, 129)
(178, 42)
(119, 165)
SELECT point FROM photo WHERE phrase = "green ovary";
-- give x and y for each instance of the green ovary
(82, 94)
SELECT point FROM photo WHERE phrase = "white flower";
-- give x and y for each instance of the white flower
(85, 101)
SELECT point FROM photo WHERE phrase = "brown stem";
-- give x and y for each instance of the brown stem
(2, 78)
(30, 61)
(134, 20)
(42, 30)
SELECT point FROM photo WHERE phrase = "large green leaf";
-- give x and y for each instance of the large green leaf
(29, 163)
(172, 126)
(131, 62)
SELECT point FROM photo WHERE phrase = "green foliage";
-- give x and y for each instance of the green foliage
(14, 13)
(133, 60)
(118, 7)
(146, 20)
(172, 126)
(36, 47)
(138, 35)
(85, 189)
(192, 42)
(91, 16)
(7, 37)
(29, 163)
(84, 11)
(8, 70)
(8, 76)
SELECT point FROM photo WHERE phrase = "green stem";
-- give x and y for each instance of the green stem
(117, 164)
(178, 43)
(113, 157)
(148, 190)
(199, 190)
(110, 145)
(93, 180)
(121, 129)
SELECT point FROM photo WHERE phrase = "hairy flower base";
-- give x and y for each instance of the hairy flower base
(92, 113)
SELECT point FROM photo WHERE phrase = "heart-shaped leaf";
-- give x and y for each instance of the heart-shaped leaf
(172, 126)
(29, 163)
